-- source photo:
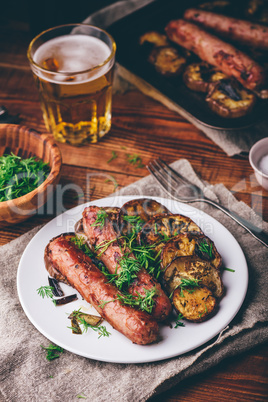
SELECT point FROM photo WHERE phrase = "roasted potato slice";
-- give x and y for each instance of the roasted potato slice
(187, 244)
(192, 267)
(228, 99)
(155, 38)
(195, 305)
(167, 60)
(200, 76)
(141, 210)
(161, 228)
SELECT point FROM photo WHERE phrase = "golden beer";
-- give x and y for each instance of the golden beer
(73, 69)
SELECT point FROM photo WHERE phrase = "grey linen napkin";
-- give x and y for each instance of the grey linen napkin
(231, 141)
(25, 374)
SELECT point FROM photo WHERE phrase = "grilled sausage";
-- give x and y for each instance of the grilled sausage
(91, 283)
(244, 32)
(214, 51)
(112, 255)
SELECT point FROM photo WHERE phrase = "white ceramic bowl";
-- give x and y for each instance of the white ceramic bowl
(257, 152)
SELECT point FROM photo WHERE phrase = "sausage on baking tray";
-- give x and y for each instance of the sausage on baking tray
(216, 52)
(111, 258)
(91, 283)
(241, 31)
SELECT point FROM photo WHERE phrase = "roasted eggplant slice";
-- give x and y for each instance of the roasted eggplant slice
(199, 76)
(187, 244)
(155, 38)
(135, 213)
(230, 100)
(167, 60)
(161, 228)
(195, 305)
(193, 268)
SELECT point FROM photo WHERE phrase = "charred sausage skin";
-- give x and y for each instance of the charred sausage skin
(216, 52)
(111, 258)
(91, 283)
(244, 32)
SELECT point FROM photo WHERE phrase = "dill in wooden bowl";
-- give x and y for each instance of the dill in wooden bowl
(30, 165)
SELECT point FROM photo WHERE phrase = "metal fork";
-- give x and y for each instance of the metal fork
(181, 189)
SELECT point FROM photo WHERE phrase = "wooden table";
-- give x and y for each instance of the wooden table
(144, 127)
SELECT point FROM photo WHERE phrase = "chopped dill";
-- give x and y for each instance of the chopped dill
(135, 160)
(178, 322)
(229, 269)
(112, 179)
(206, 248)
(129, 268)
(144, 302)
(52, 351)
(80, 242)
(101, 217)
(114, 156)
(20, 176)
(190, 284)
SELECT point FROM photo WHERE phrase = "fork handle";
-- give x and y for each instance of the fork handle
(252, 229)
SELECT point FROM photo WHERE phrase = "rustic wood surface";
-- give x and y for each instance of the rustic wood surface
(144, 127)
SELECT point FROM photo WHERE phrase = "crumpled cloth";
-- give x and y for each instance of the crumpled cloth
(25, 374)
(232, 142)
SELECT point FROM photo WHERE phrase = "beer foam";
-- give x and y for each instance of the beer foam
(74, 53)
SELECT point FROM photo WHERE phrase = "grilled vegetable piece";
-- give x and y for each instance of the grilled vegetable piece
(90, 319)
(167, 60)
(55, 287)
(200, 76)
(195, 305)
(161, 228)
(65, 300)
(230, 100)
(155, 38)
(191, 267)
(141, 210)
(187, 244)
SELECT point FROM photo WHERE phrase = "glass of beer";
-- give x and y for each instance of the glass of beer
(73, 68)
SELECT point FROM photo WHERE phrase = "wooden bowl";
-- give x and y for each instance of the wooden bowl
(26, 142)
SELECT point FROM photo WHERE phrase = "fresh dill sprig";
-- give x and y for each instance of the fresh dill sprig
(52, 351)
(101, 217)
(46, 291)
(114, 156)
(20, 176)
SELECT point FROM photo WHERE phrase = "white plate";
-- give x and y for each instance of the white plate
(53, 321)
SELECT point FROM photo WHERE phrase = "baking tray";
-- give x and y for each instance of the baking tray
(131, 56)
